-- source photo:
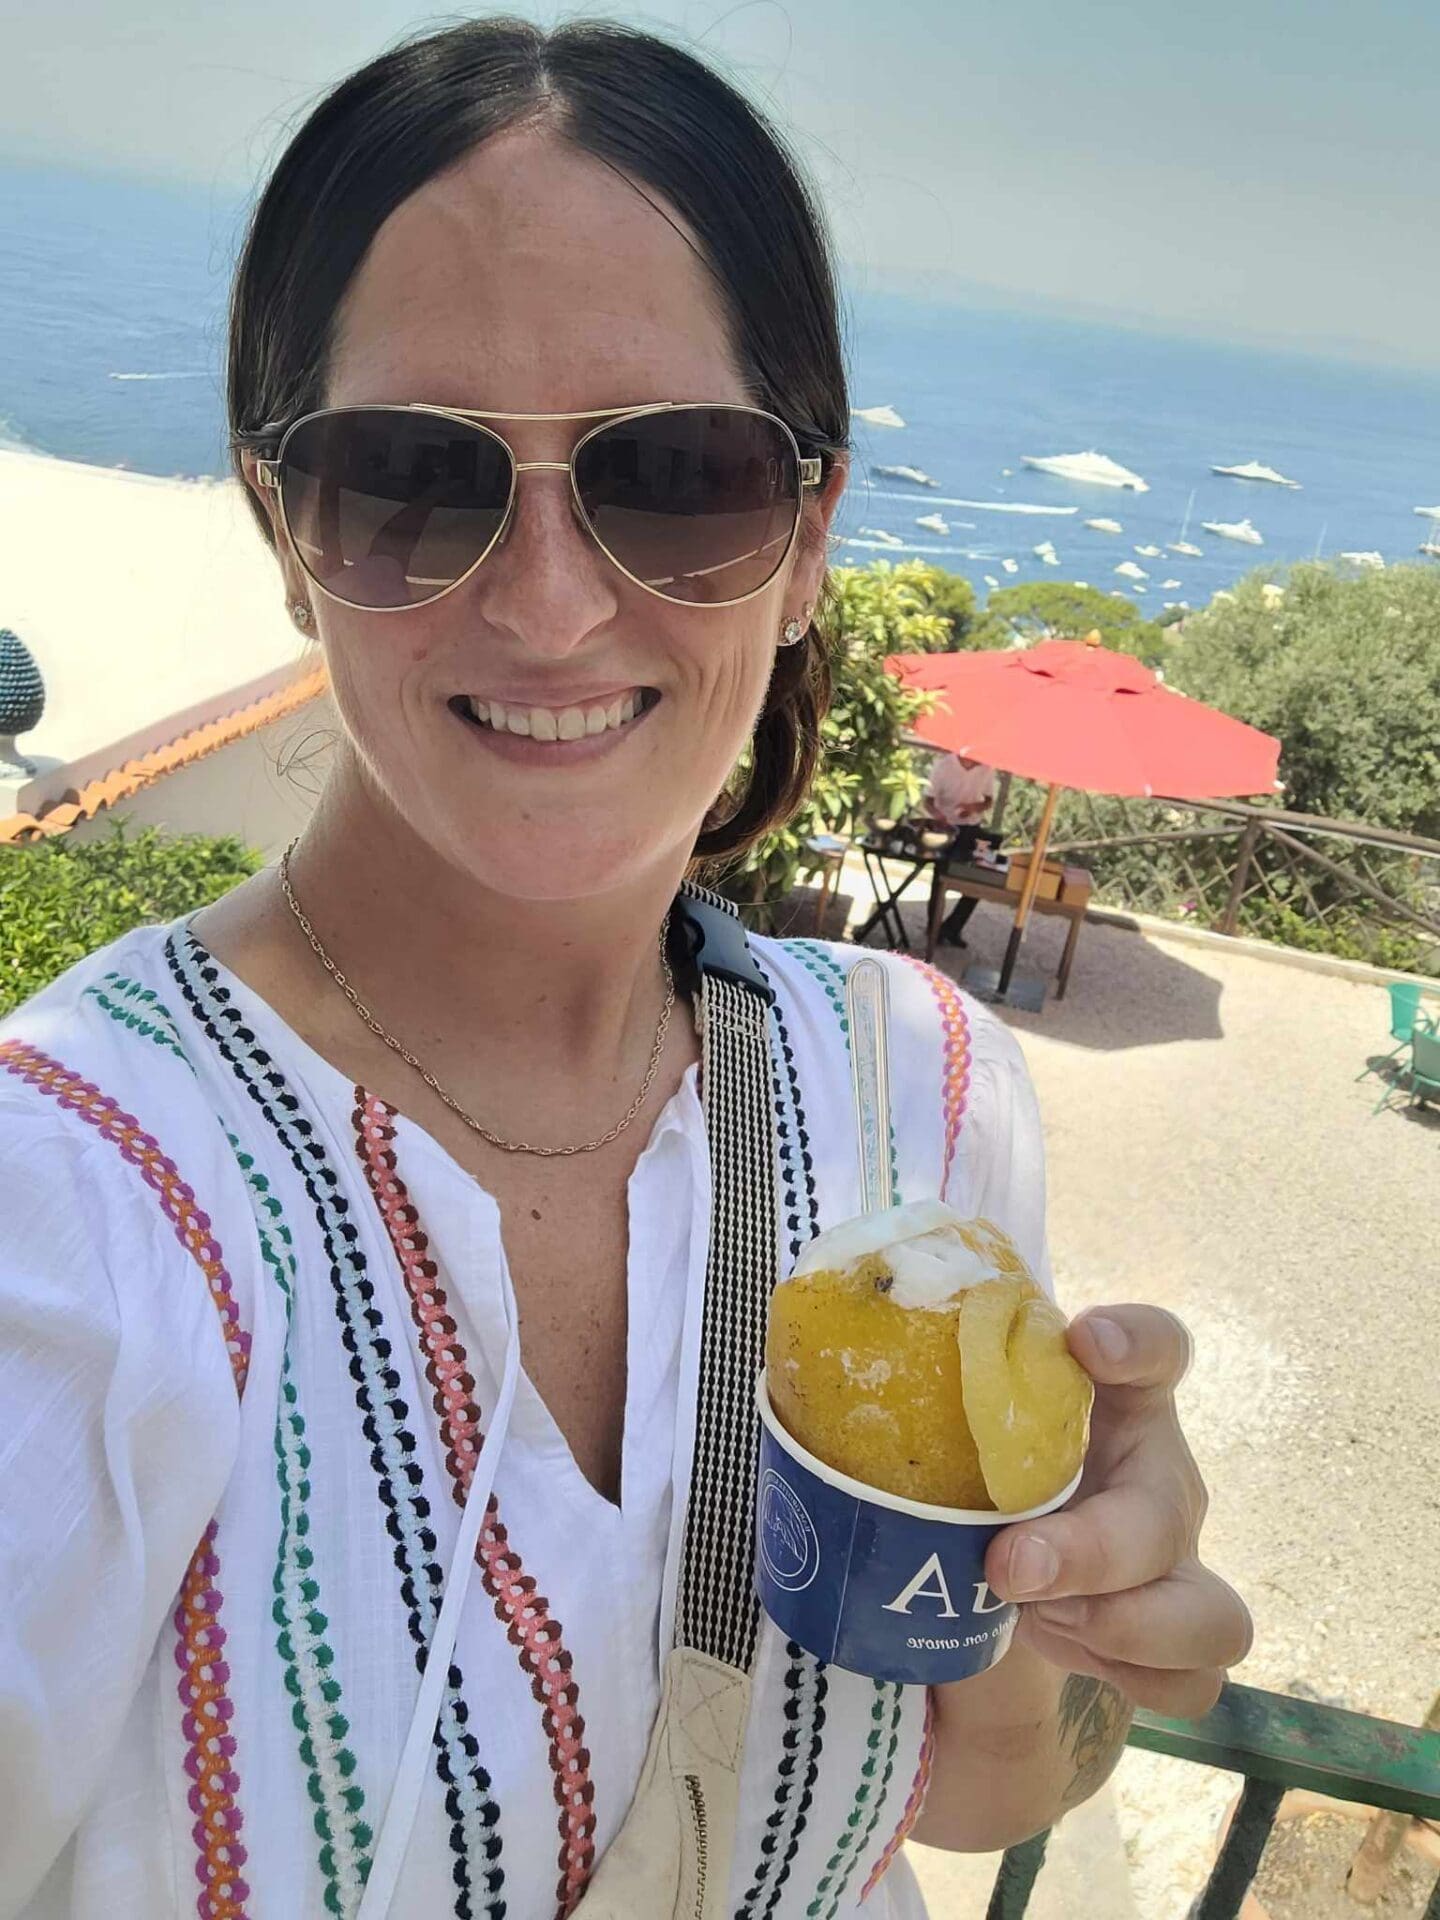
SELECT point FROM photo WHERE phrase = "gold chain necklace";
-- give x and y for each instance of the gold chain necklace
(505, 1146)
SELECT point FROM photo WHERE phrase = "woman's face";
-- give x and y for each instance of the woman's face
(532, 278)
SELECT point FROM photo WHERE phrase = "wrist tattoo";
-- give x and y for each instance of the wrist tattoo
(1094, 1719)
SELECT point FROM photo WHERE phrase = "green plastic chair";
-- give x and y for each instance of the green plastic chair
(1424, 1065)
(1404, 1017)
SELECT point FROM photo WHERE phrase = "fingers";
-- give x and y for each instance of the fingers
(1184, 1695)
(1145, 1348)
(1192, 1618)
(1124, 1536)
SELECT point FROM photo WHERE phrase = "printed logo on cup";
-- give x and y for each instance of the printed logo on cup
(870, 1582)
(785, 1535)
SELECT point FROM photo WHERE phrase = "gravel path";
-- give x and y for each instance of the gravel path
(1210, 1150)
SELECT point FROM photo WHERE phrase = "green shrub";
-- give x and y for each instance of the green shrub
(864, 771)
(61, 899)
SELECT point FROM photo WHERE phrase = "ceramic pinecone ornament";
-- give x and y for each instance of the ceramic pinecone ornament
(22, 699)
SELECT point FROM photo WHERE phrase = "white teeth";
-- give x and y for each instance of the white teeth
(549, 723)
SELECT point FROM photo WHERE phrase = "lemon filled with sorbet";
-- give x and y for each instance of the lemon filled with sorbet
(913, 1350)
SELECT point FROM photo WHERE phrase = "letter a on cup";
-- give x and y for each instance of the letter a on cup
(918, 1589)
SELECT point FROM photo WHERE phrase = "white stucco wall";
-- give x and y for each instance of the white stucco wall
(260, 788)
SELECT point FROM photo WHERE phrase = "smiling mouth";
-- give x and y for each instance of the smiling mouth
(557, 724)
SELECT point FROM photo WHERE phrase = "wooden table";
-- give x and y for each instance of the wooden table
(1001, 896)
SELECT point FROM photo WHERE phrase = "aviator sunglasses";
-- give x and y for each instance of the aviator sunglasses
(389, 507)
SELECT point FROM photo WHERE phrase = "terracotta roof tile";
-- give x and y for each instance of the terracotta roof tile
(84, 802)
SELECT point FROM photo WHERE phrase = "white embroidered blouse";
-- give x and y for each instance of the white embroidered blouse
(213, 1600)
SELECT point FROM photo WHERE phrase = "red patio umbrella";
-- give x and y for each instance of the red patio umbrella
(1071, 713)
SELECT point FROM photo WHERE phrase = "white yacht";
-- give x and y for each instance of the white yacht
(1094, 469)
(879, 534)
(933, 523)
(1167, 586)
(1234, 530)
(1148, 553)
(1131, 571)
(1046, 552)
(912, 474)
(878, 416)
(1105, 526)
(1428, 513)
(1182, 545)
(1252, 470)
(1010, 566)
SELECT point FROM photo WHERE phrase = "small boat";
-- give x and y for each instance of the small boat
(912, 474)
(1182, 545)
(1010, 566)
(1094, 469)
(1431, 548)
(1105, 526)
(1131, 571)
(879, 533)
(878, 416)
(1428, 513)
(990, 580)
(1148, 553)
(933, 523)
(1234, 530)
(1373, 562)
(1167, 585)
(1007, 473)
(1252, 470)
(1046, 552)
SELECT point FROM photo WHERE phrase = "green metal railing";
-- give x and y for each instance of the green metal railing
(1277, 1743)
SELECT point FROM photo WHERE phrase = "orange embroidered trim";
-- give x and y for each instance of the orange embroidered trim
(204, 1677)
(524, 1613)
(956, 1071)
(913, 1805)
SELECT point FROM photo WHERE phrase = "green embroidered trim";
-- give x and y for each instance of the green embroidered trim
(848, 1850)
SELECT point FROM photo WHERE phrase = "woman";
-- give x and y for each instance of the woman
(278, 1179)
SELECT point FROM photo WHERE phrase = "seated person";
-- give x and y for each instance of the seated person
(959, 793)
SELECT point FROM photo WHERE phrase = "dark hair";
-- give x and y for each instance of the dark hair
(671, 123)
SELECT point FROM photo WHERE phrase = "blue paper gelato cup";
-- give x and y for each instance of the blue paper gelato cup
(886, 1587)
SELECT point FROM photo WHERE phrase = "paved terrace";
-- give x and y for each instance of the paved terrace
(1210, 1150)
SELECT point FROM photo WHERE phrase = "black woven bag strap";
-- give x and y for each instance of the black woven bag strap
(717, 1611)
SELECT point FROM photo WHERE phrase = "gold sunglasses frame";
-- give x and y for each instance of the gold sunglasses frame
(268, 475)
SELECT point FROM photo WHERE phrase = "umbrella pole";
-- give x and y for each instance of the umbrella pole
(1027, 897)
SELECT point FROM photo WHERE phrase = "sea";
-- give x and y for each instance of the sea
(112, 321)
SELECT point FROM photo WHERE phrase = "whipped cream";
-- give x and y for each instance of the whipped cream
(923, 1246)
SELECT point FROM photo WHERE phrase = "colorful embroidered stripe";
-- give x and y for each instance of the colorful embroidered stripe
(310, 1671)
(805, 1681)
(206, 1709)
(474, 1816)
(913, 1804)
(956, 1028)
(523, 1612)
(848, 1849)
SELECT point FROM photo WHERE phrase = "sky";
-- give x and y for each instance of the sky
(1263, 170)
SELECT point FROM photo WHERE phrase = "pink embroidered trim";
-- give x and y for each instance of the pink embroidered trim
(523, 1612)
(919, 1788)
(956, 1070)
(206, 1707)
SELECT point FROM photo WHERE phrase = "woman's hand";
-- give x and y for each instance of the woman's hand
(1113, 1583)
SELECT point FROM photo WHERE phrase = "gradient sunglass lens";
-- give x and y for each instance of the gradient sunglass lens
(387, 508)
(698, 503)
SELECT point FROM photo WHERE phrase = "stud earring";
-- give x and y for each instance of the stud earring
(794, 630)
(300, 613)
